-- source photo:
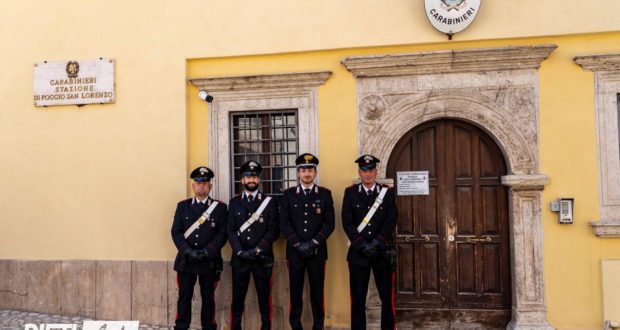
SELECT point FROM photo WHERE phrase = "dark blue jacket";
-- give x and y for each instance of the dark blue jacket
(261, 233)
(211, 234)
(303, 218)
(355, 206)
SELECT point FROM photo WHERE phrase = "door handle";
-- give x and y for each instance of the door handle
(475, 240)
(425, 238)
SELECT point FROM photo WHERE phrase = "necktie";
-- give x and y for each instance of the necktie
(250, 198)
(369, 192)
(307, 191)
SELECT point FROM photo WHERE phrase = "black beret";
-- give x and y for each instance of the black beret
(202, 174)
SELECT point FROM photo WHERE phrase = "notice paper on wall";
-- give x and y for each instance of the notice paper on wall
(412, 183)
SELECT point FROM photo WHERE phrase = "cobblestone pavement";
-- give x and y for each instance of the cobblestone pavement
(14, 320)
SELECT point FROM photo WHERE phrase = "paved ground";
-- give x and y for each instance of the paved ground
(14, 320)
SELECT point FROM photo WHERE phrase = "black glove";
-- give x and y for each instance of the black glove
(191, 255)
(314, 243)
(371, 249)
(304, 249)
(249, 255)
(203, 254)
(307, 248)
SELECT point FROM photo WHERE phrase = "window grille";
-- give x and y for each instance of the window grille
(270, 138)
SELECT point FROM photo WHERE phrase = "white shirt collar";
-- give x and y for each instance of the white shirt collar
(254, 194)
(371, 189)
(195, 200)
(304, 187)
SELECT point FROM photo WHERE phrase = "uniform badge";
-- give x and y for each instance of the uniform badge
(212, 224)
(318, 210)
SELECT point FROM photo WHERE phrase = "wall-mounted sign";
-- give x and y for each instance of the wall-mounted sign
(451, 16)
(74, 82)
(412, 183)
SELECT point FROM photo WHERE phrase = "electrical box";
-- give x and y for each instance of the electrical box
(555, 206)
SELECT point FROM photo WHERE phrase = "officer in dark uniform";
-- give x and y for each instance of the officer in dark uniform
(199, 232)
(306, 221)
(371, 240)
(251, 237)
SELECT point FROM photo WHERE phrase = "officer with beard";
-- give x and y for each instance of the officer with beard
(252, 228)
(198, 232)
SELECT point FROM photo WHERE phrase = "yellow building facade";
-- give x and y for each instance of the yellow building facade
(90, 191)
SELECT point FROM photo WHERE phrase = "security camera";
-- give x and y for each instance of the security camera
(203, 95)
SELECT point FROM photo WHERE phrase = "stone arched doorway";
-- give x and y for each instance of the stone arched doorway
(453, 244)
(494, 89)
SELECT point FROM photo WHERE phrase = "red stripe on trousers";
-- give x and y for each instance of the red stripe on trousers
(323, 295)
(393, 303)
(213, 299)
(290, 306)
(231, 305)
(350, 305)
(270, 306)
(178, 287)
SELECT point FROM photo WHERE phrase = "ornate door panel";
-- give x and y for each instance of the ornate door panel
(453, 245)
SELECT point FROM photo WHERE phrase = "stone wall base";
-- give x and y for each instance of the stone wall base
(128, 290)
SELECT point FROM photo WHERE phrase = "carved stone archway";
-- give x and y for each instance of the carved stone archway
(520, 149)
(495, 89)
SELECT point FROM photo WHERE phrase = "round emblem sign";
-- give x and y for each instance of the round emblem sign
(451, 16)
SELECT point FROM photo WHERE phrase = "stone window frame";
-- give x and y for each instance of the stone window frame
(297, 91)
(606, 69)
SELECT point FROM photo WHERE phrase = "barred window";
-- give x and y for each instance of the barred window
(271, 138)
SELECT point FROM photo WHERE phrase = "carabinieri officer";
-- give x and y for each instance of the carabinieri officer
(198, 232)
(306, 221)
(369, 220)
(252, 228)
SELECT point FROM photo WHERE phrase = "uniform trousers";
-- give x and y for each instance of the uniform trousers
(358, 281)
(240, 283)
(186, 282)
(316, 279)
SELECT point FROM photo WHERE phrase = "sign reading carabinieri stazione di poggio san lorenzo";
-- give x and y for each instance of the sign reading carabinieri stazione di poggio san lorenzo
(74, 82)
(451, 16)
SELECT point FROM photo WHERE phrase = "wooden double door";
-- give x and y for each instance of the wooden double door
(453, 244)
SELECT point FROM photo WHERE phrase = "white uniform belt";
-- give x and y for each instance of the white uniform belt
(255, 216)
(372, 210)
(201, 220)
